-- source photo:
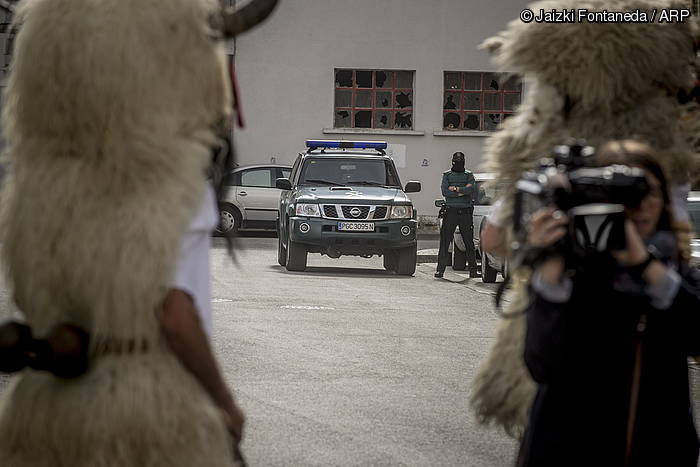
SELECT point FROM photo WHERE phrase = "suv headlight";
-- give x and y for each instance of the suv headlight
(308, 210)
(401, 212)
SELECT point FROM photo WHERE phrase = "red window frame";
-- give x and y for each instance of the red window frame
(393, 88)
(483, 91)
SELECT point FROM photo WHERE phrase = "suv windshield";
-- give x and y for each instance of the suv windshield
(336, 171)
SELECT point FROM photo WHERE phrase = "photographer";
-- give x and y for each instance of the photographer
(608, 343)
(459, 188)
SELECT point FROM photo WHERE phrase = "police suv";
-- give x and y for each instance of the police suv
(345, 198)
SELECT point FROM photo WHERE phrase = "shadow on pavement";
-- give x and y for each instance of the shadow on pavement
(343, 272)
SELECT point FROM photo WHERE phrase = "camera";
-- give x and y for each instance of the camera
(594, 199)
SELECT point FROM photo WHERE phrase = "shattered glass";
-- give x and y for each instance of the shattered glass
(404, 99)
(471, 122)
(363, 99)
(451, 121)
(382, 79)
(511, 101)
(471, 101)
(364, 79)
(363, 119)
(404, 79)
(451, 101)
(403, 120)
(491, 121)
(343, 78)
(472, 81)
(382, 119)
(383, 99)
(342, 119)
(343, 98)
(492, 101)
(452, 80)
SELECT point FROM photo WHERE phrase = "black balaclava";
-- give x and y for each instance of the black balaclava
(458, 162)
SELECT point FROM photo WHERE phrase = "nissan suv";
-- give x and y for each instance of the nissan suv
(345, 198)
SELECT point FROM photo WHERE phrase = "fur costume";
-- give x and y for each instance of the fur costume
(593, 81)
(110, 111)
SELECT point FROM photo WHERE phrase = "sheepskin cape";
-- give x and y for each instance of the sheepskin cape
(593, 81)
(109, 114)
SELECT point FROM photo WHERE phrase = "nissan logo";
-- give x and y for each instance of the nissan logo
(355, 212)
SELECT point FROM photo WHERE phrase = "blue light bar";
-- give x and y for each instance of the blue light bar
(327, 143)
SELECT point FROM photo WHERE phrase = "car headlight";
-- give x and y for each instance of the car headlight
(308, 210)
(401, 212)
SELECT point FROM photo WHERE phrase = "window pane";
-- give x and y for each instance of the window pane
(382, 79)
(491, 121)
(510, 101)
(363, 119)
(471, 101)
(492, 81)
(403, 120)
(513, 83)
(404, 100)
(492, 101)
(257, 177)
(342, 119)
(451, 121)
(382, 119)
(452, 80)
(472, 81)
(383, 99)
(471, 122)
(343, 78)
(286, 173)
(363, 99)
(451, 101)
(404, 79)
(364, 79)
(343, 98)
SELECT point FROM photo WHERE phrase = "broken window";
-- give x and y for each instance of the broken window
(479, 101)
(374, 99)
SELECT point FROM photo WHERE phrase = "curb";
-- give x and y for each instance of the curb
(427, 256)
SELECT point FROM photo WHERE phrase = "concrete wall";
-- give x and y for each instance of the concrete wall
(286, 68)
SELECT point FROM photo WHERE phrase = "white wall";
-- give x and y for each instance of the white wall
(285, 70)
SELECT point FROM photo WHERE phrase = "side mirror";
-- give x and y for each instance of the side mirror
(283, 184)
(412, 187)
(439, 203)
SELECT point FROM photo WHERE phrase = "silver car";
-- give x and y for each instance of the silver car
(251, 200)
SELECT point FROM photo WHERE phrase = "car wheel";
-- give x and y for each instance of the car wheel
(390, 260)
(406, 261)
(459, 259)
(229, 220)
(281, 251)
(488, 274)
(296, 255)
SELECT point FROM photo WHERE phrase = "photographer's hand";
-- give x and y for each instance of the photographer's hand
(636, 253)
(546, 227)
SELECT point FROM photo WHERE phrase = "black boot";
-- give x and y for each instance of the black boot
(438, 274)
(474, 273)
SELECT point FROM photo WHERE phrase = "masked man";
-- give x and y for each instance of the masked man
(459, 189)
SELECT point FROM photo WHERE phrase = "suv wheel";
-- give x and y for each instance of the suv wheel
(390, 260)
(488, 274)
(459, 261)
(229, 220)
(296, 256)
(406, 261)
(281, 251)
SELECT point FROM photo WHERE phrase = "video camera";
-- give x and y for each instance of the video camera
(594, 199)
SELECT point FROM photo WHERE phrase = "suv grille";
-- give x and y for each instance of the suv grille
(330, 211)
(380, 212)
(351, 212)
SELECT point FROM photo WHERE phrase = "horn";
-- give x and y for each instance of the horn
(240, 20)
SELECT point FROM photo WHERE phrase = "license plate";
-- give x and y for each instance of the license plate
(356, 226)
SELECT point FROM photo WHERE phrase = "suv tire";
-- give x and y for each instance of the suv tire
(281, 251)
(459, 261)
(406, 261)
(296, 256)
(390, 260)
(488, 274)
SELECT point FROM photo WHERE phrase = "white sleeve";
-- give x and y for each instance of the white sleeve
(192, 274)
